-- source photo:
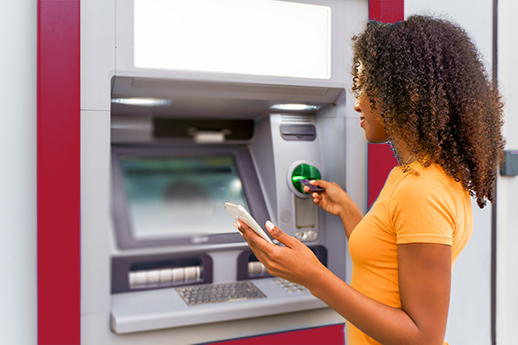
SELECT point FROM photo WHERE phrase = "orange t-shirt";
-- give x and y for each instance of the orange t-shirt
(424, 205)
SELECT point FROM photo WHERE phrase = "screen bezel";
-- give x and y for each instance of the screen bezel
(253, 194)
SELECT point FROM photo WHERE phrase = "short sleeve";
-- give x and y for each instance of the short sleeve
(421, 211)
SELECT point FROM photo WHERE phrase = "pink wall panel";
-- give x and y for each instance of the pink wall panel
(387, 11)
(380, 162)
(58, 175)
(381, 159)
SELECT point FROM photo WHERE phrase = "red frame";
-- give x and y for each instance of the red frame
(329, 335)
(59, 176)
(58, 173)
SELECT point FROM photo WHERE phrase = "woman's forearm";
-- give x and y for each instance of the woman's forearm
(424, 287)
(381, 322)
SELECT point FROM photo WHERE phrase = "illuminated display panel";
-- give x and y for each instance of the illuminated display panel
(255, 37)
(170, 197)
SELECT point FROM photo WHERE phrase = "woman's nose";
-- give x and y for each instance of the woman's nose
(357, 106)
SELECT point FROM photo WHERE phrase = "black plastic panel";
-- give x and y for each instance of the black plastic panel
(173, 128)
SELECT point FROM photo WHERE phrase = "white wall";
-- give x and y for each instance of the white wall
(469, 320)
(18, 172)
(507, 197)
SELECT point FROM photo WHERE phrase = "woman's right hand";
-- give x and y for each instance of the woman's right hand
(336, 201)
(333, 199)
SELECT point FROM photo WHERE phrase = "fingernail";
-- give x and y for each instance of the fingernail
(269, 225)
(237, 225)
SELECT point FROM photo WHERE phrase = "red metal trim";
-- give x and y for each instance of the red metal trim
(58, 175)
(381, 159)
(329, 335)
(387, 11)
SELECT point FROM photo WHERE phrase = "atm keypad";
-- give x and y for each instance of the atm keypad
(289, 286)
(213, 293)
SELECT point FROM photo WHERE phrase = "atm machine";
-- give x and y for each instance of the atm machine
(174, 137)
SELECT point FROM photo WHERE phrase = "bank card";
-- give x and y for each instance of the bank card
(312, 188)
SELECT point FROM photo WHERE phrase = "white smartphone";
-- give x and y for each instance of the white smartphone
(238, 212)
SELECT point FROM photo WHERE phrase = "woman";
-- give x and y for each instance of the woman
(419, 85)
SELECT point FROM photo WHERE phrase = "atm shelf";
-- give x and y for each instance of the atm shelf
(165, 308)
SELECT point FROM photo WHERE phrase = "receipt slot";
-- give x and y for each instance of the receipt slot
(306, 213)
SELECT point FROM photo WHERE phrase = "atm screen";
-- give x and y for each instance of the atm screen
(172, 197)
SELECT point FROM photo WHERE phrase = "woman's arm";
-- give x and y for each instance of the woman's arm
(336, 201)
(424, 279)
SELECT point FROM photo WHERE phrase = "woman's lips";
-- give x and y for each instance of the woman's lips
(362, 120)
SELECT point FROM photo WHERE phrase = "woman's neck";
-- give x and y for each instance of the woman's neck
(403, 155)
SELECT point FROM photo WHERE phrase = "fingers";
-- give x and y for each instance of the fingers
(317, 197)
(238, 227)
(279, 235)
(253, 239)
(319, 183)
(244, 230)
(261, 249)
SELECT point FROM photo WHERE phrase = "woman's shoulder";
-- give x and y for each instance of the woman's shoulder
(420, 182)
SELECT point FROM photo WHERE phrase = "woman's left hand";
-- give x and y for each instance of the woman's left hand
(294, 262)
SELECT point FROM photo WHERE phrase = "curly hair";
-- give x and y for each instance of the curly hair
(425, 78)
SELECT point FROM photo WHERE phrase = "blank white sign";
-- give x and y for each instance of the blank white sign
(256, 37)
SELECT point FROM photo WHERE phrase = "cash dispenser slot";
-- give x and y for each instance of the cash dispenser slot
(138, 273)
(249, 267)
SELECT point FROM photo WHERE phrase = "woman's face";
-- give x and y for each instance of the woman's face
(370, 121)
